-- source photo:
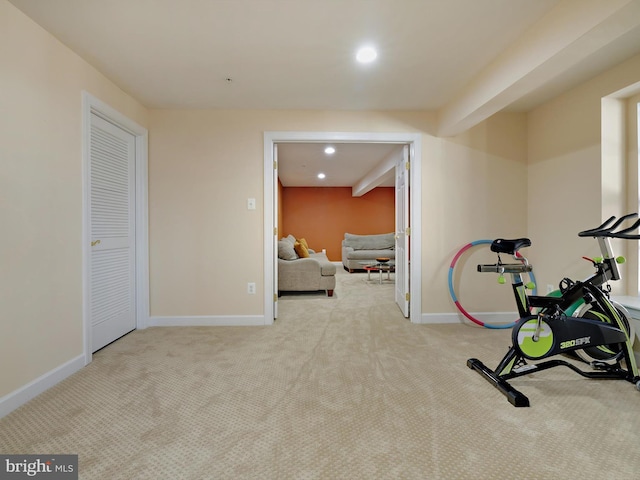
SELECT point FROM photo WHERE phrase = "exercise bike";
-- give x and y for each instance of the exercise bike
(579, 319)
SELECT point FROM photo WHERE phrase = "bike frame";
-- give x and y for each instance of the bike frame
(610, 329)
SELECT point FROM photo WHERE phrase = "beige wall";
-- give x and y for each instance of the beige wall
(474, 188)
(632, 155)
(41, 84)
(569, 186)
(204, 164)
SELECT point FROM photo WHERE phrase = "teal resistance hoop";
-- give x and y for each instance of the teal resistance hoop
(455, 298)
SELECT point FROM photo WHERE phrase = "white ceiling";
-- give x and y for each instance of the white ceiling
(345, 168)
(299, 54)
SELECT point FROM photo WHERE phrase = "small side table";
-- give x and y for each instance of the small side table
(379, 267)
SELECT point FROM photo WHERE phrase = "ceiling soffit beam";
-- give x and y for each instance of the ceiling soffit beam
(376, 176)
(569, 33)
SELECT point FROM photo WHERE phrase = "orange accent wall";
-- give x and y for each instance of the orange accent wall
(322, 215)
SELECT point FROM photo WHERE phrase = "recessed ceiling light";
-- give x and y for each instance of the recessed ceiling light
(321, 176)
(366, 55)
(329, 150)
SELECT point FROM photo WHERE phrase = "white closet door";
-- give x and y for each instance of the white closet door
(112, 226)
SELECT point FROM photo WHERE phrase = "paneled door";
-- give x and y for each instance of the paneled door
(402, 232)
(112, 228)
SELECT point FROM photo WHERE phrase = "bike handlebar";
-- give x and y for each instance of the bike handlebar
(605, 230)
(505, 268)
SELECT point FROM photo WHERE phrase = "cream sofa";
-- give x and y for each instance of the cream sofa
(358, 249)
(310, 274)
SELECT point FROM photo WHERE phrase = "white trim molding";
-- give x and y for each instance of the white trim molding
(19, 397)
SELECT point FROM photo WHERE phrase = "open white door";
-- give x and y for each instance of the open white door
(275, 231)
(402, 232)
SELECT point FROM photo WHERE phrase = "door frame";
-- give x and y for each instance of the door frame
(414, 140)
(91, 104)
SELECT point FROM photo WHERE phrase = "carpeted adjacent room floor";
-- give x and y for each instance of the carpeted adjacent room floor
(337, 388)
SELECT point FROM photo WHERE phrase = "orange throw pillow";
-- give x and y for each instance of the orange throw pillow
(301, 248)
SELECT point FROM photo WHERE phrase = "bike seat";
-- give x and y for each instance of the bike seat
(501, 245)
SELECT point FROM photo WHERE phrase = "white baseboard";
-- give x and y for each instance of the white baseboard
(19, 397)
(486, 317)
(207, 321)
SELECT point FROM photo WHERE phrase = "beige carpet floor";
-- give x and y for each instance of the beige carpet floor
(338, 388)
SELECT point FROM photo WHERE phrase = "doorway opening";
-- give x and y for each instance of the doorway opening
(413, 143)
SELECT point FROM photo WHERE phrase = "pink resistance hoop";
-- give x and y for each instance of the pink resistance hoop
(455, 298)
